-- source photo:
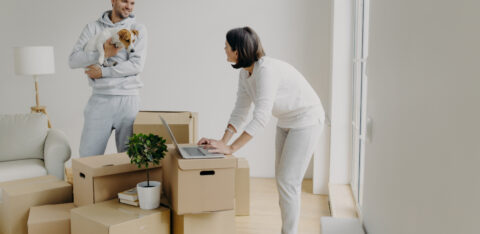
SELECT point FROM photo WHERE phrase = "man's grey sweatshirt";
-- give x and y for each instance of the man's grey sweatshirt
(123, 78)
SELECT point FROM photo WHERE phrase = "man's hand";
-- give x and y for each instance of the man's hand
(94, 71)
(110, 49)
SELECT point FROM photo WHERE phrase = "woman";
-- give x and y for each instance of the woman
(277, 88)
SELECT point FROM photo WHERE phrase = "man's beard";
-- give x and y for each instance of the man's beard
(120, 14)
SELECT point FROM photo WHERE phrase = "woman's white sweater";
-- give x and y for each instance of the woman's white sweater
(275, 88)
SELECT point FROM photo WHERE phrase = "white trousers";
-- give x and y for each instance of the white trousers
(294, 149)
(103, 114)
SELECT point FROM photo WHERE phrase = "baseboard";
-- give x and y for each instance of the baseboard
(342, 203)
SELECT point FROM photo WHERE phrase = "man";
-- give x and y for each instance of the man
(115, 97)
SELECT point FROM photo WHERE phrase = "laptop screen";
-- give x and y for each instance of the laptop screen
(169, 131)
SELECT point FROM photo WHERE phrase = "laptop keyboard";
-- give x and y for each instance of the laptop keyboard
(193, 151)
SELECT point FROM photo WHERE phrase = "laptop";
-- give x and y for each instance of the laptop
(190, 151)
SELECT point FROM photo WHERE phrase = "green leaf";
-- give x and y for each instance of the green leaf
(144, 149)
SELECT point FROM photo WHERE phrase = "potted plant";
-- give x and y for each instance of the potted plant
(143, 151)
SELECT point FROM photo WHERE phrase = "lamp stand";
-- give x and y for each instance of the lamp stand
(38, 108)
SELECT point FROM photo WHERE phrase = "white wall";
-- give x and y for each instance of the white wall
(341, 105)
(185, 58)
(421, 169)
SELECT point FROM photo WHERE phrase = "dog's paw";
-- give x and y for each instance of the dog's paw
(109, 64)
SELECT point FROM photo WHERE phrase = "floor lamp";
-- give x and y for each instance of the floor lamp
(35, 61)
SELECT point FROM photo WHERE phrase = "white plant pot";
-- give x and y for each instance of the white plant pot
(149, 197)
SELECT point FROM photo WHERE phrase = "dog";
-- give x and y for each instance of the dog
(121, 38)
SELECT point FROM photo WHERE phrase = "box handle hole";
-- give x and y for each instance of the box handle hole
(205, 173)
(82, 175)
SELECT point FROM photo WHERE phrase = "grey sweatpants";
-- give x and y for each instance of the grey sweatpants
(103, 114)
(294, 149)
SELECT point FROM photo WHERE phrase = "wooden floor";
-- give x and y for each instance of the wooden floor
(265, 212)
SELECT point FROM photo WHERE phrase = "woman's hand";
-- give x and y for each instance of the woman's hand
(215, 146)
(203, 141)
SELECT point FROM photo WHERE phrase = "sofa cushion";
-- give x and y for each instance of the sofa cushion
(21, 169)
(22, 136)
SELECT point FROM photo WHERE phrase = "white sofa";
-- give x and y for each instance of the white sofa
(28, 148)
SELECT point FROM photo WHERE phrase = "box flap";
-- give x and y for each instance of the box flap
(27, 180)
(112, 212)
(107, 164)
(32, 185)
(198, 164)
(172, 117)
(49, 213)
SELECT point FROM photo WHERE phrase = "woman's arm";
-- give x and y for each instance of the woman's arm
(229, 132)
(237, 118)
(240, 142)
(266, 91)
(242, 107)
(216, 146)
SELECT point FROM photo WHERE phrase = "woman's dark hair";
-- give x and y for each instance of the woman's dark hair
(247, 43)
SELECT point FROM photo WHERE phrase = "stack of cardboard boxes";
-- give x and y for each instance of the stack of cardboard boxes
(201, 192)
(200, 195)
(101, 178)
(17, 197)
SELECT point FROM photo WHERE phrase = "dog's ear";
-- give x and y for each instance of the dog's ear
(135, 32)
(123, 34)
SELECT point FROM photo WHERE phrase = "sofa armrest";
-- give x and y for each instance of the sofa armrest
(56, 152)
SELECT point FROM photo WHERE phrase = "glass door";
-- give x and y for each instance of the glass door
(359, 96)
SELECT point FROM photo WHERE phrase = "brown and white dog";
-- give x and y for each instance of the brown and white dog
(121, 38)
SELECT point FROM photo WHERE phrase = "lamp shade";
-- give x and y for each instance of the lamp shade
(34, 60)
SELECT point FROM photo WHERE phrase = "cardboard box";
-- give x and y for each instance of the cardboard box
(50, 219)
(199, 185)
(219, 222)
(16, 198)
(112, 217)
(68, 175)
(242, 187)
(101, 178)
(184, 125)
